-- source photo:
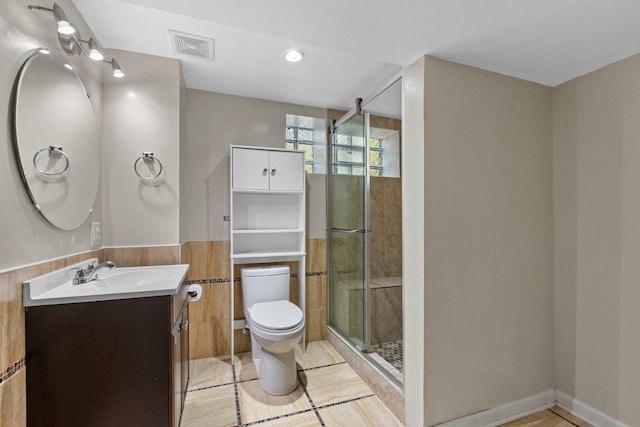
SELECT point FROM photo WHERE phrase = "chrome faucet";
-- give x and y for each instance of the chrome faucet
(84, 275)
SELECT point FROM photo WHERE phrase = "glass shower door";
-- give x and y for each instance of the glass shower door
(347, 224)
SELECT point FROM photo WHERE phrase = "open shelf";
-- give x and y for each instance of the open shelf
(243, 255)
(266, 242)
(268, 231)
(264, 211)
(244, 191)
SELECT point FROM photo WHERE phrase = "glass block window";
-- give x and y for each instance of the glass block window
(348, 156)
(308, 134)
(301, 138)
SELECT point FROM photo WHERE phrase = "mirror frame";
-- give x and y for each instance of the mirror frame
(20, 157)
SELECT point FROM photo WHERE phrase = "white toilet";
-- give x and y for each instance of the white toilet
(276, 326)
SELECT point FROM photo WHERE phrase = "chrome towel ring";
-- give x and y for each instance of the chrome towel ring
(54, 153)
(148, 158)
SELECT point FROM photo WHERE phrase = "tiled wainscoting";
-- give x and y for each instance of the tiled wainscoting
(12, 332)
(210, 318)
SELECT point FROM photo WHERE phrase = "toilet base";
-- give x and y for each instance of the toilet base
(278, 375)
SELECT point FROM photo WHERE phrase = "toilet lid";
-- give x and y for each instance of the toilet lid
(276, 315)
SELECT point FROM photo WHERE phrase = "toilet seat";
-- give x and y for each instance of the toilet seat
(276, 316)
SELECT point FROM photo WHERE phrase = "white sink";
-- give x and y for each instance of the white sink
(129, 278)
(118, 283)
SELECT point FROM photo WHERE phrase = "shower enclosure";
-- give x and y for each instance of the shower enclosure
(364, 235)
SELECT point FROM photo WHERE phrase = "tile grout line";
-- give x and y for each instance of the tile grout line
(342, 402)
(569, 421)
(279, 417)
(11, 370)
(224, 280)
(235, 392)
(323, 366)
(313, 406)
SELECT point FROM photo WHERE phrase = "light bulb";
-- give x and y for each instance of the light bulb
(293, 55)
(94, 51)
(117, 71)
(64, 26)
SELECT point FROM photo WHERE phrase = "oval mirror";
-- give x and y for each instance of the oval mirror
(56, 140)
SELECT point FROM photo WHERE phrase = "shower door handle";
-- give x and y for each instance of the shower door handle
(348, 230)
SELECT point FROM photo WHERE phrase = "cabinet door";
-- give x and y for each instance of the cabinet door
(250, 169)
(286, 170)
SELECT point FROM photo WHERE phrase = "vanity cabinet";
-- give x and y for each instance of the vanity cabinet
(108, 363)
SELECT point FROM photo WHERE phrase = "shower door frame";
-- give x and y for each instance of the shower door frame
(365, 231)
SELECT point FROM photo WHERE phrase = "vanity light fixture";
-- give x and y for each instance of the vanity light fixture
(94, 51)
(117, 71)
(293, 55)
(71, 41)
(64, 26)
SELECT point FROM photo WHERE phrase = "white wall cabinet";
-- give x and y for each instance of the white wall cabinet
(255, 169)
(267, 210)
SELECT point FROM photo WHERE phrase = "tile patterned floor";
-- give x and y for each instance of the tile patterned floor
(391, 352)
(329, 394)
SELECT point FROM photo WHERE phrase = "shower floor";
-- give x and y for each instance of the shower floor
(391, 352)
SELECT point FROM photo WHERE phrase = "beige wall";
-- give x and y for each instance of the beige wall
(597, 239)
(488, 266)
(25, 237)
(214, 121)
(141, 113)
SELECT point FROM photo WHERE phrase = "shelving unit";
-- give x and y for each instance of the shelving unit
(267, 212)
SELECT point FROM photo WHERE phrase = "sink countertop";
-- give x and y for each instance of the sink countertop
(118, 283)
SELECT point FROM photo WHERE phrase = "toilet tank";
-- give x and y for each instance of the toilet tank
(264, 284)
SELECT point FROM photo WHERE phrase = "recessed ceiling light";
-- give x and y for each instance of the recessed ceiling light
(293, 55)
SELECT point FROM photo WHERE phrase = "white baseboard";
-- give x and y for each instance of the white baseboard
(508, 412)
(586, 412)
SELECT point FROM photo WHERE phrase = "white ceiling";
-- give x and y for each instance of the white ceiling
(353, 47)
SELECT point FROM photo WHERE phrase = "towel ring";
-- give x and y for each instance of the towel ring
(147, 157)
(56, 153)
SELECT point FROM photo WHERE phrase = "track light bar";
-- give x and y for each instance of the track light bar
(71, 41)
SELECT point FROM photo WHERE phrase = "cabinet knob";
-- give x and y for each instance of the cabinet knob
(185, 325)
(273, 171)
(264, 171)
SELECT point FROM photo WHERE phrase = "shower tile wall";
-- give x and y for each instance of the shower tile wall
(385, 240)
(211, 316)
(385, 265)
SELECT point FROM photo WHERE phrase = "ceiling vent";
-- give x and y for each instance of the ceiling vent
(189, 45)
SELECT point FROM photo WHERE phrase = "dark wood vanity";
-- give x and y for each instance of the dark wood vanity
(108, 363)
